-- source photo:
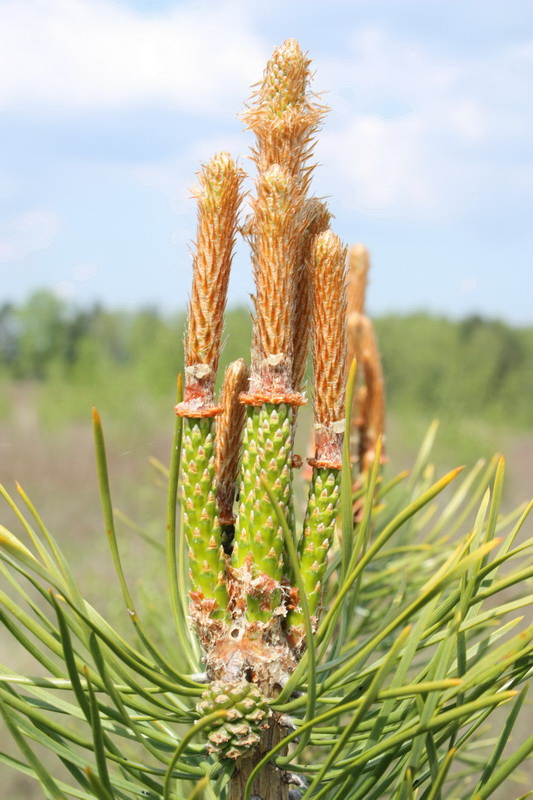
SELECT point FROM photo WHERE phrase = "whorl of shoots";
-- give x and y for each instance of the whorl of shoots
(282, 115)
(229, 437)
(318, 219)
(371, 399)
(276, 247)
(328, 265)
(218, 196)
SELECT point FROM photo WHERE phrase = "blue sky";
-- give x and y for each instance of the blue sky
(108, 108)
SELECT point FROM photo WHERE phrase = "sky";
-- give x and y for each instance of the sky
(109, 107)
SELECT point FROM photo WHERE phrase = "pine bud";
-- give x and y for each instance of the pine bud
(329, 346)
(218, 196)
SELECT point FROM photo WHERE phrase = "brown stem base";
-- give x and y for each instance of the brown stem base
(269, 784)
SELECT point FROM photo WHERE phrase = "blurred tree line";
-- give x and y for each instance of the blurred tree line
(472, 368)
(126, 362)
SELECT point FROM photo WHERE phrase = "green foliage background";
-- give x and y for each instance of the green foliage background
(123, 362)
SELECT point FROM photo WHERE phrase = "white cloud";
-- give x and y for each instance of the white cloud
(84, 272)
(73, 55)
(416, 131)
(176, 175)
(380, 165)
(27, 233)
(64, 290)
